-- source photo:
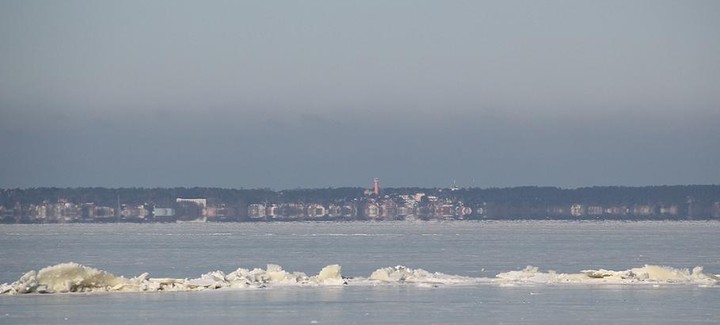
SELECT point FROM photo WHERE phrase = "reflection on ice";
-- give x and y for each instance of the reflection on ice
(73, 277)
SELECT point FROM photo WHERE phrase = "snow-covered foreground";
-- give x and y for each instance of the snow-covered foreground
(73, 277)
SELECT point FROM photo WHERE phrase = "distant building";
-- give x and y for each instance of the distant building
(643, 210)
(594, 210)
(294, 210)
(334, 211)
(316, 211)
(272, 211)
(671, 210)
(372, 210)
(200, 202)
(617, 210)
(577, 210)
(463, 211)
(256, 211)
(163, 212)
(137, 212)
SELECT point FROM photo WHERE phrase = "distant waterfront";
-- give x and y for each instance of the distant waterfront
(93, 205)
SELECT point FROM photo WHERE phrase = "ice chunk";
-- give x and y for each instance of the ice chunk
(331, 274)
(26, 284)
(647, 274)
(668, 274)
(403, 274)
(73, 277)
(275, 273)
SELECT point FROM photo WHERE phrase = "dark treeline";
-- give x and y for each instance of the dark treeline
(530, 196)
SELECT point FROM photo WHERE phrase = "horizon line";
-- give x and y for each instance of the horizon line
(354, 187)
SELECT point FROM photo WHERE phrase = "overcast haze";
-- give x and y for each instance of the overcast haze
(286, 94)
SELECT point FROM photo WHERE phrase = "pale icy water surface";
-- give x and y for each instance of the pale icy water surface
(474, 249)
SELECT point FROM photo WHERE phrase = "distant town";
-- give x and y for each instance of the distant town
(200, 204)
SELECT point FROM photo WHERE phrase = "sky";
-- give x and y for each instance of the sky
(314, 94)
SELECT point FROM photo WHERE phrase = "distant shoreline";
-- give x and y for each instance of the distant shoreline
(201, 204)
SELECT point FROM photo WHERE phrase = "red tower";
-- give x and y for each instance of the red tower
(377, 186)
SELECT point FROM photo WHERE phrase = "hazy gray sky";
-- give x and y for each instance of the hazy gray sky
(286, 94)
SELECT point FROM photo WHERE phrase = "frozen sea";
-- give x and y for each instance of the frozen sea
(474, 249)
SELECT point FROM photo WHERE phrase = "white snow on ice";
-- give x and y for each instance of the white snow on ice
(73, 277)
